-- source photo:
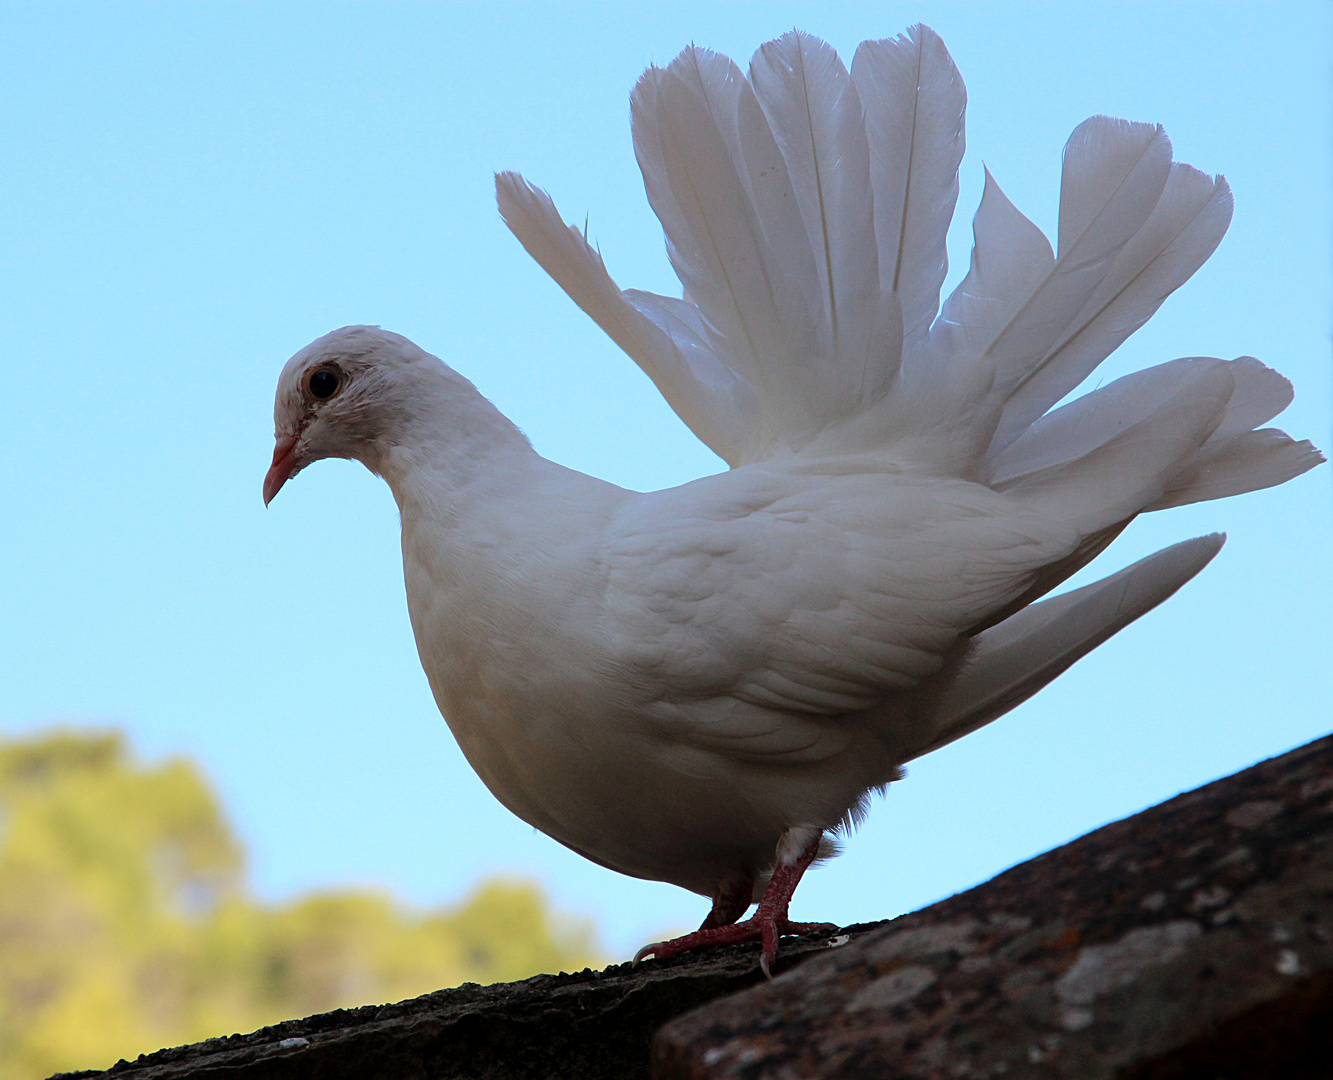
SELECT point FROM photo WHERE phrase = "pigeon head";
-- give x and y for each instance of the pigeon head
(342, 396)
(362, 392)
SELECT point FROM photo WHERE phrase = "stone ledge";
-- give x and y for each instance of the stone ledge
(1190, 942)
(588, 1024)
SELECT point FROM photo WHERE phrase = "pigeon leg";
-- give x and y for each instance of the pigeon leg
(768, 923)
(731, 902)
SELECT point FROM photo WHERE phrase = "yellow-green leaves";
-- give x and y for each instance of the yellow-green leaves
(125, 924)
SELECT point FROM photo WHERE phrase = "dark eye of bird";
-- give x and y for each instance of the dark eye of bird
(323, 383)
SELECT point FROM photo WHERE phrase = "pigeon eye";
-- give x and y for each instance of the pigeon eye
(324, 383)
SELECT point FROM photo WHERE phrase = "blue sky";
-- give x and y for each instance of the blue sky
(193, 192)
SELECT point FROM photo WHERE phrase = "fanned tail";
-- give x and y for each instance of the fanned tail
(806, 209)
(1043, 321)
(766, 188)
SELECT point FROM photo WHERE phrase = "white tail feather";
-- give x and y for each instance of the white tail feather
(1246, 462)
(1010, 259)
(1232, 460)
(1116, 478)
(1183, 230)
(914, 102)
(706, 394)
(753, 317)
(1114, 174)
(1260, 394)
(815, 115)
(1087, 423)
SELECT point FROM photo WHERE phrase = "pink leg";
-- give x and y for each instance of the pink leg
(767, 924)
(730, 903)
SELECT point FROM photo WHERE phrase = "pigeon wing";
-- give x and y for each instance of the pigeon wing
(753, 609)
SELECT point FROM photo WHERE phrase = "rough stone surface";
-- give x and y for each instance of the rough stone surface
(586, 1025)
(1191, 941)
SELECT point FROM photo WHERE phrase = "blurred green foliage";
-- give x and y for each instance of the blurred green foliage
(125, 924)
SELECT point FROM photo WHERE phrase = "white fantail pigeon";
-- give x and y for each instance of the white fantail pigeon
(698, 685)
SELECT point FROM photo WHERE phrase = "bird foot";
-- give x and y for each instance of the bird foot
(759, 927)
(769, 922)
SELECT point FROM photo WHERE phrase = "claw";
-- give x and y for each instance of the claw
(768, 924)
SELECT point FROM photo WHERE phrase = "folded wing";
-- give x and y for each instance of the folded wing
(805, 593)
(1004, 666)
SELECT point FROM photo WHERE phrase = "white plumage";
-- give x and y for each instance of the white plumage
(694, 685)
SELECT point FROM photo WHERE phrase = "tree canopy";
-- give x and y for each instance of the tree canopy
(126, 924)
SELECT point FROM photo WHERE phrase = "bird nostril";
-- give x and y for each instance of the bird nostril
(283, 447)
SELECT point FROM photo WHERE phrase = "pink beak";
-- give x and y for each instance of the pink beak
(284, 464)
